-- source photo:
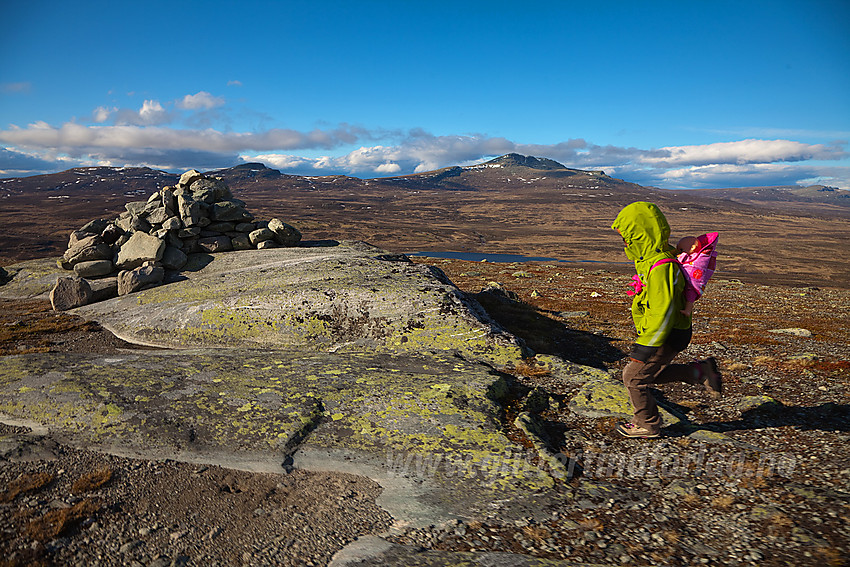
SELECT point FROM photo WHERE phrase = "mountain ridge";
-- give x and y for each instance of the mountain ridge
(454, 178)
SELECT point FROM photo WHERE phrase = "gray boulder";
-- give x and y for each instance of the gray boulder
(111, 234)
(171, 239)
(189, 210)
(339, 297)
(168, 199)
(139, 278)
(173, 258)
(133, 223)
(241, 242)
(136, 208)
(95, 226)
(139, 249)
(103, 289)
(284, 234)
(159, 215)
(190, 245)
(88, 249)
(210, 190)
(266, 244)
(189, 232)
(231, 210)
(260, 235)
(190, 177)
(172, 223)
(94, 268)
(77, 236)
(215, 244)
(70, 292)
(78, 241)
(221, 227)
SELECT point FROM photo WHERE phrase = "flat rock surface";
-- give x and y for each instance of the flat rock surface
(350, 297)
(32, 278)
(383, 416)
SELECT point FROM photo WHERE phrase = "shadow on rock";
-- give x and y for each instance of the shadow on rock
(543, 334)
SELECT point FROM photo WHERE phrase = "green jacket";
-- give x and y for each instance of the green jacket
(656, 310)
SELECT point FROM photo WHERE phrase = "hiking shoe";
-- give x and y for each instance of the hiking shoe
(632, 430)
(713, 381)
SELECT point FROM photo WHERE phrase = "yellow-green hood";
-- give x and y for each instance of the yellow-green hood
(645, 232)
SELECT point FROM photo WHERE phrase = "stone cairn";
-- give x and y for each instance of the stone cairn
(133, 252)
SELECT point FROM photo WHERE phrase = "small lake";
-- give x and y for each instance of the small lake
(502, 258)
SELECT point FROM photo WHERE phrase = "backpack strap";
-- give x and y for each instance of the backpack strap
(638, 285)
(663, 261)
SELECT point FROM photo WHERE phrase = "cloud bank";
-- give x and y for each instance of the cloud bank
(161, 136)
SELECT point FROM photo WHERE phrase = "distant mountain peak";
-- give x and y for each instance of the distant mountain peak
(249, 170)
(519, 160)
(251, 165)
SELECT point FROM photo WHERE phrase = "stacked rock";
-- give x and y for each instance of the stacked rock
(199, 214)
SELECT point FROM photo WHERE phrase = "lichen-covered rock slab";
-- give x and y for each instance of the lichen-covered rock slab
(350, 297)
(428, 418)
(606, 397)
(31, 278)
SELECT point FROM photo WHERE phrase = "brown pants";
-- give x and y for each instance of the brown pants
(639, 376)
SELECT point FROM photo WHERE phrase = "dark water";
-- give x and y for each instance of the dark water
(505, 258)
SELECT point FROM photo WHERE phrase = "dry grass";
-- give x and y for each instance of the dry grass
(26, 483)
(591, 524)
(32, 325)
(832, 557)
(92, 481)
(530, 368)
(55, 522)
(691, 499)
(537, 533)
(731, 366)
(722, 502)
(754, 476)
(781, 520)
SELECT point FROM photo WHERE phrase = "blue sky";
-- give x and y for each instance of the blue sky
(672, 94)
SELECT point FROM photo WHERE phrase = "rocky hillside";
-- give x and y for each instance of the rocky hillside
(759, 478)
(513, 204)
(813, 194)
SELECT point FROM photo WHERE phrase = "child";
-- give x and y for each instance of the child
(698, 257)
(663, 330)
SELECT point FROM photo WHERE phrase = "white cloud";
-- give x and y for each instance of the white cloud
(139, 137)
(280, 161)
(743, 152)
(388, 168)
(200, 101)
(152, 113)
(234, 83)
(743, 175)
(101, 114)
(71, 136)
